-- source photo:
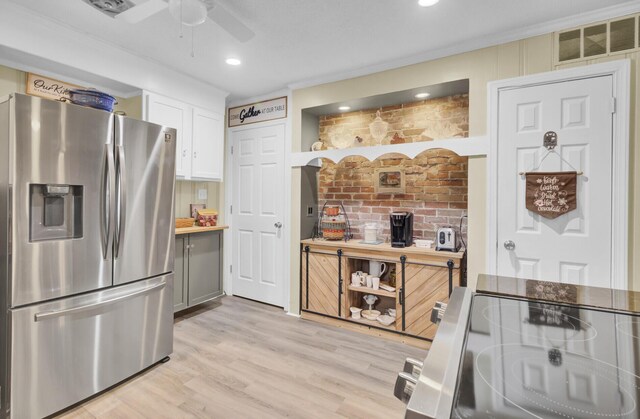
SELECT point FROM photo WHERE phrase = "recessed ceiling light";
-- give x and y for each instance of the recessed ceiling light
(344, 108)
(233, 61)
(427, 3)
(422, 95)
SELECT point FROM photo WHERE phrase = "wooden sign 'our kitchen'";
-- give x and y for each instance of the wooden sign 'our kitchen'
(48, 88)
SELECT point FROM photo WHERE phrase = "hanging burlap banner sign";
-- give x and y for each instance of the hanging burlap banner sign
(551, 194)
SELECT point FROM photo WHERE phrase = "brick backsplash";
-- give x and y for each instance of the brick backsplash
(436, 180)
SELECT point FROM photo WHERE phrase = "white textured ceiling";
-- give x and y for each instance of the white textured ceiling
(299, 40)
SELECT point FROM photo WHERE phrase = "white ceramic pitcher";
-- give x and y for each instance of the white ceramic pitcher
(377, 268)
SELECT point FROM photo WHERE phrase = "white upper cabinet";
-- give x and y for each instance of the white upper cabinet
(200, 137)
(172, 113)
(208, 145)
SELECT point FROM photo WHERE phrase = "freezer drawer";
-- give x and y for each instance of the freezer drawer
(65, 351)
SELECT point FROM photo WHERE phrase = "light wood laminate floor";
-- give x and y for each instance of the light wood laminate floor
(239, 359)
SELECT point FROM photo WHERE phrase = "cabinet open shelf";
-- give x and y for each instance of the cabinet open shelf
(375, 323)
(367, 290)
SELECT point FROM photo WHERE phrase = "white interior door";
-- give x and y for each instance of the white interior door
(575, 247)
(258, 210)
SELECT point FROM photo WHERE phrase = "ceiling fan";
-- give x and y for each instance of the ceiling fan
(188, 12)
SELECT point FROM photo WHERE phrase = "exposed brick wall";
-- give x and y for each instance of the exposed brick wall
(436, 180)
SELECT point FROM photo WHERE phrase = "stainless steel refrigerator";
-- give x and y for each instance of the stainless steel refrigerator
(86, 251)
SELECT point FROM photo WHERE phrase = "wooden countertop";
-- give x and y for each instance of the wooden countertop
(198, 229)
(383, 247)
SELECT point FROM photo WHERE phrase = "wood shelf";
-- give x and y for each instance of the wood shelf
(367, 290)
(375, 323)
(469, 146)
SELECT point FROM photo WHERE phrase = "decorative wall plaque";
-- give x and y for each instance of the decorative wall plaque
(389, 180)
(551, 194)
(258, 112)
(48, 88)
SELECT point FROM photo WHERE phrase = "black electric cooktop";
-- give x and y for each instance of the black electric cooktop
(531, 359)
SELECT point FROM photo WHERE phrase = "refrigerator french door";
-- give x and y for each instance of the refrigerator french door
(143, 245)
(86, 251)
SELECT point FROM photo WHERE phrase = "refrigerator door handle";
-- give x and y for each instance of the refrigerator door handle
(46, 315)
(107, 197)
(121, 182)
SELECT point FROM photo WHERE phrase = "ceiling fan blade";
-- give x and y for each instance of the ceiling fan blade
(142, 11)
(230, 23)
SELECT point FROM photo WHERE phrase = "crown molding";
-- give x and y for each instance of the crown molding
(606, 13)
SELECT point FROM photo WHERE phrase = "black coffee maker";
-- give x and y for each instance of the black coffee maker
(401, 229)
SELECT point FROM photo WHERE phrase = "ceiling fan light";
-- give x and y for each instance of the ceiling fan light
(188, 12)
(233, 61)
(427, 3)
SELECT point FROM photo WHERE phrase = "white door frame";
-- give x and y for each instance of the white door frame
(620, 72)
(228, 201)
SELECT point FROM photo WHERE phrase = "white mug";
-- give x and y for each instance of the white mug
(377, 268)
(369, 281)
(375, 282)
(356, 280)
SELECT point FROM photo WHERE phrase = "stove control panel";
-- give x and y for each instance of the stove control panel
(407, 379)
(437, 312)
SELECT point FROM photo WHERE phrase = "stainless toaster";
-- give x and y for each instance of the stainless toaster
(447, 239)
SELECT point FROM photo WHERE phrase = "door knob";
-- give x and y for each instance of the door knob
(509, 245)
(278, 225)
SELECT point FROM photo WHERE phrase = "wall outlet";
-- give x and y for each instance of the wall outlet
(309, 211)
(202, 194)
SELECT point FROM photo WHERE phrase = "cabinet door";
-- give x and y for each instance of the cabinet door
(172, 113)
(322, 295)
(204, 267)
(181, 273)
(424, 286)
(207, 145)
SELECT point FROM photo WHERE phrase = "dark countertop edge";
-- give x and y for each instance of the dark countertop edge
(553, 292)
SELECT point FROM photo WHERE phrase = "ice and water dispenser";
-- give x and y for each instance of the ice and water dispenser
(55, 212)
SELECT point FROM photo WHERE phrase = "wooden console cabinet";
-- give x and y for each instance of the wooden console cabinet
(423, 277)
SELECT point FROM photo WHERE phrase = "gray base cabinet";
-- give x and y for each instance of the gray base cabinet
(198, 276)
